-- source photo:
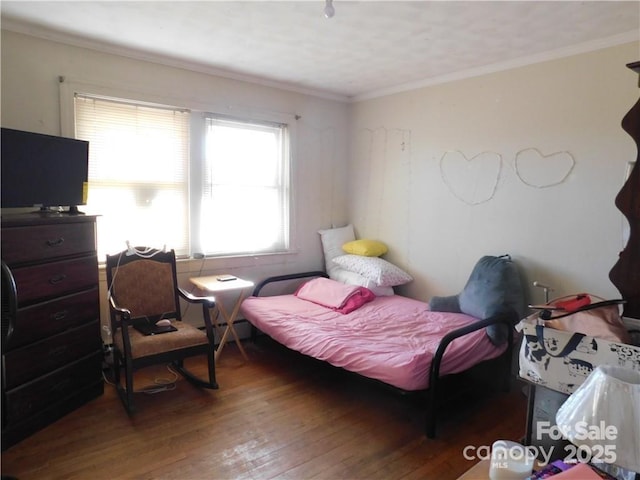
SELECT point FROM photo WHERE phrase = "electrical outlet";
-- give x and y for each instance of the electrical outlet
(107, 359)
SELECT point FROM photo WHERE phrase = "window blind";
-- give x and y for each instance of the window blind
(138, 173)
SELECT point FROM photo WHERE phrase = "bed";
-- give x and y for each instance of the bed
(389, 338)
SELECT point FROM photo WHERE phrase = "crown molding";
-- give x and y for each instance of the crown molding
(25, 28)
(585, 47)
(44, 33)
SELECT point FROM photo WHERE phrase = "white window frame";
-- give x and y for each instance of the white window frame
(234, 206)
(69, 88)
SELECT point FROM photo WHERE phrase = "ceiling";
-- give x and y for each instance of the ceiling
(368, 48)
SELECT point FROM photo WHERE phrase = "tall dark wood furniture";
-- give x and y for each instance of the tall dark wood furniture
(625, 274)
(51, 342)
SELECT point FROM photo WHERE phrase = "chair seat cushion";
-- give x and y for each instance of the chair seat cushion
(147, 345)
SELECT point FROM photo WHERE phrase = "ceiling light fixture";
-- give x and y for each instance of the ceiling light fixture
(329, 11)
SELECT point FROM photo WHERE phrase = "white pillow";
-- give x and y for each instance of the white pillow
(332, 241)
(352, 278)
(383, 273)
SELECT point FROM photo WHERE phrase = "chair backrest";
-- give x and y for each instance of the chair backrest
(493, 285)
(145, 285)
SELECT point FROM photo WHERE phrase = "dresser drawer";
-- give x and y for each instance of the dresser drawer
(44, 242)
(44, 319)
(49, 280)
(52, 354)
(39, 394)
(26, 363)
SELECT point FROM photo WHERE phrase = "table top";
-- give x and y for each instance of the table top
(480, 471)
(212, 283)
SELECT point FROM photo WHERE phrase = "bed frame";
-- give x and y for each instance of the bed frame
(433, 393)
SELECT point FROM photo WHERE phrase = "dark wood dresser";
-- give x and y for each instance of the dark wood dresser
(51, 342)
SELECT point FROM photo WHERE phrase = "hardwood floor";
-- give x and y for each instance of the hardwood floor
(280, 415)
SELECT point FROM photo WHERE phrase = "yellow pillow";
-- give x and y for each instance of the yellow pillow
(367, 248)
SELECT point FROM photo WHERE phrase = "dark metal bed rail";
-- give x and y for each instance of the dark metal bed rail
(289, 276)
(281, 278)
(508, 318)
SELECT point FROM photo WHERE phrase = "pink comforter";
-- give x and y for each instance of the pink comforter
(392, 338)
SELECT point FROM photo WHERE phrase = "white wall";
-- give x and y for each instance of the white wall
(403, 183)
(30, 101)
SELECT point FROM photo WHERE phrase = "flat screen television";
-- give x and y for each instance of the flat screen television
(43, 170)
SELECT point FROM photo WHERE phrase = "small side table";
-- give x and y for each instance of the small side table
(213, 284)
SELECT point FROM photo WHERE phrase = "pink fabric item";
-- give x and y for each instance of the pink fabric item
(360, 297)
(392, 339)
(335, 295)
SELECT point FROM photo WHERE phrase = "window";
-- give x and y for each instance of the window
(161, 176)
(245, 190)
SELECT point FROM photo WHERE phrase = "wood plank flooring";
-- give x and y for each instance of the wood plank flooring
(280, 415)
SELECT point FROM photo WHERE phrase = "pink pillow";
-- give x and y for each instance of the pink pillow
(334, 295)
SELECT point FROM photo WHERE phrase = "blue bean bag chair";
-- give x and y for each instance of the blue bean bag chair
(493, 288)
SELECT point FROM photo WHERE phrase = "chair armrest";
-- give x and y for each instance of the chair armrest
(445, 304)
(289, 276)
(125, 314)
(191, 298)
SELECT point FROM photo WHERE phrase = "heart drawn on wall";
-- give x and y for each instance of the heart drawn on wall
(472, 180)
(535, 169)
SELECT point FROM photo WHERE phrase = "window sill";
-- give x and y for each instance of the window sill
(211, 263)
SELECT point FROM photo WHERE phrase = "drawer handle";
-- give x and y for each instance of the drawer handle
(61, 315)
(57, 279)
(55, 243)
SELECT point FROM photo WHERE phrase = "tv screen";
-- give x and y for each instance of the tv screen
(42, 170)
